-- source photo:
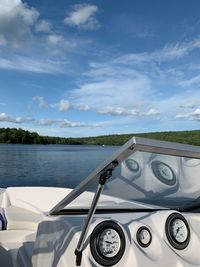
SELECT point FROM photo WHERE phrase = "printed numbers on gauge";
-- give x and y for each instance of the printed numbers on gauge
(109, 243)
(179, 230)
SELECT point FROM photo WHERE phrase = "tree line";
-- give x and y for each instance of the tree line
(20, 136)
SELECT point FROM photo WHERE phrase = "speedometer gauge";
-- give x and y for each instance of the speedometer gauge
(163, 172)
(107, 243)
(177, 231)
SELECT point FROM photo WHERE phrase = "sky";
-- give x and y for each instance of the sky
(87, 68)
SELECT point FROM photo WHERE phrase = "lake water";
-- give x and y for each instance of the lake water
(49, 165)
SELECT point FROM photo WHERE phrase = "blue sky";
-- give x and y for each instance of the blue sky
(87, 68)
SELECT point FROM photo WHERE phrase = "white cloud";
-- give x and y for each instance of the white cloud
(194, 81)
(20, 63)
(113, 89)
(151, 112)
(7, 118)
(46, 122)
(23, 119)
(43, 26)
(57, 45)
(194, 115)
(83, 107)
(21, 41)
(64, 105)
(119, 111)
(82, 16)
(8, 5)
(4, 117)
(137, 85)
(172, 52)
(69, 124)
(167, 53)
(64, 123)
(41, 101)
(54, 39)
(16, 20)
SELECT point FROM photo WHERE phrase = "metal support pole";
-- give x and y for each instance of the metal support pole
(102, 180)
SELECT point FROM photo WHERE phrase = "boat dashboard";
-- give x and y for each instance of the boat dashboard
(149, 238)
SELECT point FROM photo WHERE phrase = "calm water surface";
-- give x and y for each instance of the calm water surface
(49, 165)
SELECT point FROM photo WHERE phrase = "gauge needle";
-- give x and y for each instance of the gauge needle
(178, 230)
(109, 242)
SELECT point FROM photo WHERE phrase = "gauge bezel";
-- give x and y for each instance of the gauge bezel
(94, 243)
(154, 167)
(168, 229)
(138, 236)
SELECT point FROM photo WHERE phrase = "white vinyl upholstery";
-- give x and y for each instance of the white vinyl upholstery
(36, 199)
(4, 199)
(22, 219)
(10, 242)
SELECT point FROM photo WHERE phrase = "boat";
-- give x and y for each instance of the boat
(138, 208)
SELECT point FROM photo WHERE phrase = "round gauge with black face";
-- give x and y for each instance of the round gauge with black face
(163, 172)
(107, 243)
(177, 231)
(132, 165)
(144, 236)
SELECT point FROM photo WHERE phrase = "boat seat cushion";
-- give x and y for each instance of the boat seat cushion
(36, 199)
(22, 219)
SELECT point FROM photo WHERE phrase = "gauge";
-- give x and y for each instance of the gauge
(144, 236)
(132, 165)
(107, 243)
(163, 172)
(177, 231)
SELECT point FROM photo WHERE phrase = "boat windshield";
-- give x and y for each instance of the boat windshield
(164, 180)
(145, 178)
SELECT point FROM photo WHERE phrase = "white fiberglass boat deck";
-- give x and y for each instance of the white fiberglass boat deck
(139, 208)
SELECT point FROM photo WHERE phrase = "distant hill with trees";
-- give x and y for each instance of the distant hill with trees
(19, 136)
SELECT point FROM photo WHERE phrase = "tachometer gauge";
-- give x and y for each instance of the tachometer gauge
(107, 243)
(144, 236)
(177, 231)
(163, 172)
